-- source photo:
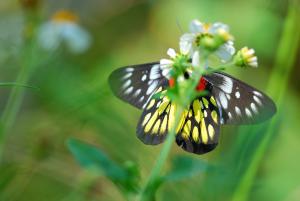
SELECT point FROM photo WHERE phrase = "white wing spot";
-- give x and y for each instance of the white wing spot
(129, 70)
(223, 100)
(205, 113)
(142, 98)
(151, 88)
(144, 77)
(257, 100)
(229, 115)
(227, 85)
(129, 90)
(158, 104)
(154, 72)
(166, 72)
(248, 112)
(137, 92)
(228, 96)
(237, 94)
(257, 93)
(128, 75)
(238, 111)
(254, 108)
(126, 84)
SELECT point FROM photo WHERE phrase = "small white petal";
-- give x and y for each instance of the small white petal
(49, 36)
(186, 43)
(251, 52)
(171, 52)
(252, 59)
(196, 26)
(76, 38)
(253, 64)
(188, 37)
(196, 59)
(180, 78)
(186, 48)
(216, 26)
(226, 51)
(166, 62)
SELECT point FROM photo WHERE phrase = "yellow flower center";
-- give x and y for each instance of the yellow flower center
(206, 27)
(64, 16)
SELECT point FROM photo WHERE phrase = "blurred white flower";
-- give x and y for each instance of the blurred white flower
(180, 60)
(212, 33)
(63, 28)
(246, 58)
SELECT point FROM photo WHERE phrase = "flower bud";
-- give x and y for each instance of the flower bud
(246, 58)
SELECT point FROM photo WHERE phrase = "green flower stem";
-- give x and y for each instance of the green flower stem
(10, 84)
(154, 175)
(286, 56)
(29, 61)
(146, 193)
(12, 107)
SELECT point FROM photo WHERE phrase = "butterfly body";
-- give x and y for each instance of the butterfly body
(227, 101)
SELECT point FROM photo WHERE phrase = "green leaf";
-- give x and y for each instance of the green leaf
(13, 84)
(185, 167)
(90, 156)
(126, 177)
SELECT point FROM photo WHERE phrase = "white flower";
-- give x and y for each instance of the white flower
(63, 29)
(246, 58)
(167, 64)
(190, 41)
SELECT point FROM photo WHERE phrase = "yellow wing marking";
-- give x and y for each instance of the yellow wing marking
(205, 102)
(146, 118)
(171, 116)
(204, 134)
(195, 134)
(186, 130)
(151, 104)
(214, 116)
(211, 131)
(213, 101)
(156, 127)
(197, 110)
(151, 121)
(163, 127)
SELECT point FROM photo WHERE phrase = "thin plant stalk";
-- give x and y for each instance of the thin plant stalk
(154, 175)
(161, 160)
(286, 56)
(12, 107)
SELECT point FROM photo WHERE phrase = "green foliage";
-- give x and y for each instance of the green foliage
(125, 177)
(184, 167)
(58, 95)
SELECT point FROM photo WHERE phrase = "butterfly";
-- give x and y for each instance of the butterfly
(227, 101)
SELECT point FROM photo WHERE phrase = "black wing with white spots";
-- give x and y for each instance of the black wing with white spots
(136, 84)
(239, 102)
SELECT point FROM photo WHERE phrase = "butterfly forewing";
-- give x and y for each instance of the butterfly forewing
(239, 103)
(136, 84)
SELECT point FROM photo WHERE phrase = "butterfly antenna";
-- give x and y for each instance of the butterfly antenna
(179, 25)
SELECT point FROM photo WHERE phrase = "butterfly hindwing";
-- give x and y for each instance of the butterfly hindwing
(198, 128)
(136, 84)
(156, 119)
(199, 132)
(239, 103)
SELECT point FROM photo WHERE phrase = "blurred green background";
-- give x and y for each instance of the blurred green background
(73, 99)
